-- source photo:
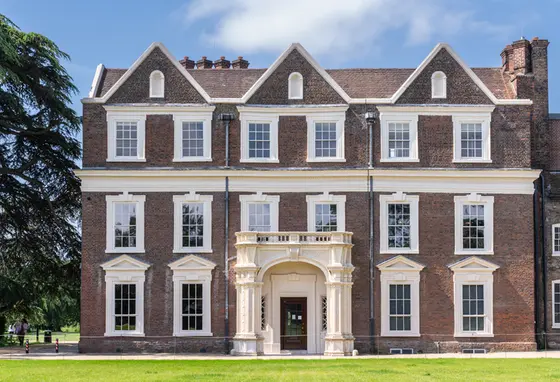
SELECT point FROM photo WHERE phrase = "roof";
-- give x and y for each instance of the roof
(496, 81)
(108, 79)
(226, 83)
(370, 83)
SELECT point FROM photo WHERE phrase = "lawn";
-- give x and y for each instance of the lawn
(285, 370)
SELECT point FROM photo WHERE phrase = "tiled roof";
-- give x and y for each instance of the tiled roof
(357, 83)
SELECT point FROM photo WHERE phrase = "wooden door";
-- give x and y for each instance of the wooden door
(294, 323)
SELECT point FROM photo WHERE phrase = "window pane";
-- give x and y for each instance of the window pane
(125, 306)
(473, 226)
(473, 308)
(325, 139)
(399, 307)
(398, 223)
(471, 140)
(325, 217)
(193, 139)
(126, 139)
(193, 225)
(192, 306)
(399, 140)
(125, 225)
(259, 140)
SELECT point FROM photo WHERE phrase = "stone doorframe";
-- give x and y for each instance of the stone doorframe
(329, 251)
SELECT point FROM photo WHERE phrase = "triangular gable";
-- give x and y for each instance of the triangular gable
(300, 49)
(400, 264)
(141, 59)
(472, 264)
(438, 48)
(192, 263)
(125, 263)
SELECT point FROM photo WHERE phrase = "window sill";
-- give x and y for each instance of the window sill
(472, 160)
(462, 253)
(555, 326)
(126, 160)
(399, 252)
(399, 160)
(326, 160)
(124, 334)
(260, 160)
(473, 335)
(400, 334)
(193, 250)
(126, 250)
(556, 254)
(193, 159)
(193, 334)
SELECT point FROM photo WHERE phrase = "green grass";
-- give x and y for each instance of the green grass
(285, 370)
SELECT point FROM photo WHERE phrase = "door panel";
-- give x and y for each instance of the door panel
(294, 323)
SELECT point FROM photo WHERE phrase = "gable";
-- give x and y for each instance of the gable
(316, 90)
(461, 88)
(125, 263)
(192, 263)
(473, 263)
(399, 263)
(136, 88)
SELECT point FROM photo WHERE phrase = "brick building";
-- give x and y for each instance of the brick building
(297, 209)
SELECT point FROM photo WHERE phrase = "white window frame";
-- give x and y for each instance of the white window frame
(326, 198)
(192, 269)
(295, 76)
(201, 116)
(554, 251)
(398, 198)
(124, 270)
(125, 197)
(192, 197)
(474, 271)
(339, 118)
(555, 325)
(245, 120)
(153, 78)
(439, 76)
(400, 271)
(113, 118)
(484, 119)
(259, 197)
(488, 202)
(395, 117)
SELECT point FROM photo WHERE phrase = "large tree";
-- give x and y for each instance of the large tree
(39, 192)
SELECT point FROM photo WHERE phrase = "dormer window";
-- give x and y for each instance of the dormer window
(157, 84)
(439, 85)
(295, 86)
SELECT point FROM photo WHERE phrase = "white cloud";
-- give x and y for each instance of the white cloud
(325, 26)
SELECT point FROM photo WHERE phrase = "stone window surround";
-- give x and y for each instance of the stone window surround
(248, 118)
(484, 119)
(259, 197)
(396, 117)
(110, 222)
(398, 198)
(555, 325)
(400, 276)
(326, 198)
(440, 77)
(112, 119)
(195, 116)
(488, 202)
(192, 197)
(154, 77)
(339, 119)
(554, 252)
(295, 86)
(480, 274)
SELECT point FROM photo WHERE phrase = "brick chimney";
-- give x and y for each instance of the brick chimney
(240, 63)
(222, 63)
(204, 63)
(187, 64)
(516, 58)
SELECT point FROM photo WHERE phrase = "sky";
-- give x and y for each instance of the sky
(339, 34)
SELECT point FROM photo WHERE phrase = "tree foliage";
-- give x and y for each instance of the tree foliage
(39, 192)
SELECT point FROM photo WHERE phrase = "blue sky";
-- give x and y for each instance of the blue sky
(349, 33)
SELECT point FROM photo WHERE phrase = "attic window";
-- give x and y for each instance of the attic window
(439, 85)
(157, 84)
(295, 86)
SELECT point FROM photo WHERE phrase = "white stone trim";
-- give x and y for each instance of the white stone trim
(154, 92)
(293, 110)
(96, 81)
(439, 79)
(445, 109)
(259, 197)
(555, 325)
(205, 117)
(475, 271)
(113, 117)
(402, 271)
(192, 269)
(326, 198)
(488, 202)
(192, 197)
(295, 86)
(124, 270)
(398, 197)
(110, 232)
(399, 117)
(485, 120)
(335, 117)
(247, 118)
(553, 237)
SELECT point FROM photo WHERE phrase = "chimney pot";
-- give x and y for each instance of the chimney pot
(204, 63)
(240, 63)
(222, 63)
(187, 64)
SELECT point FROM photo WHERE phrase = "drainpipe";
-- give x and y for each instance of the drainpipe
(543, 259)
(536, 235)
(226, 118)
(370, 118)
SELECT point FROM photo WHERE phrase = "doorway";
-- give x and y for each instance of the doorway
(293, 323)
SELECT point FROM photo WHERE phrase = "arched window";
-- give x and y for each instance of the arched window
(157, 84)
(439, 85)
(295, 86)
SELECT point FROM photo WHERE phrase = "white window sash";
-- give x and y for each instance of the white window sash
(488, 202)
(397, 277)
(411, 119)
(484, 120)
(249, 118)
(111, 279)
(398, 198)
(111, 200)
(326, 198)
(201, 116)
(178, 202)
(112, 119)
(339, 119)
(465, 278)
(272, 200)
(555, 238)
(555, 324)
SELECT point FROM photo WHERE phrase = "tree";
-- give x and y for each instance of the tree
(39, 192)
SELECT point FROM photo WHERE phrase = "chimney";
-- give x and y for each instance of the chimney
(222, 63)
(540, 133)
(507, 59)
(521, 56)
(187, 64)
(240, 63)
(204, 63)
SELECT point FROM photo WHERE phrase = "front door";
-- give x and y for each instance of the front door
(294, 323)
